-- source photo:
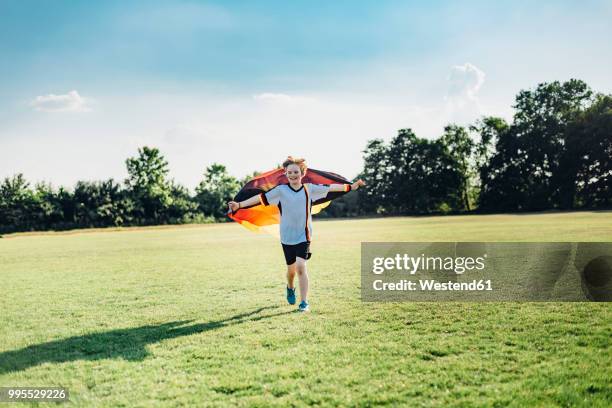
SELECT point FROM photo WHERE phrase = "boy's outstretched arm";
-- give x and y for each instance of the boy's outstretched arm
(235, 206)
(346, 187)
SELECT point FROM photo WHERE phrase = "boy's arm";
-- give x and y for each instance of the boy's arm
(235, 206)
(346, 187)
(271, 197)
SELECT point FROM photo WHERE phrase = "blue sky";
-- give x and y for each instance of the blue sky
(83, 84)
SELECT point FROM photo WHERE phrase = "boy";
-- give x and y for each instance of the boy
(294, 201)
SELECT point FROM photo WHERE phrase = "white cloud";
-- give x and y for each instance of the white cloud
(70, 102)
(465, 81)
(462, 103)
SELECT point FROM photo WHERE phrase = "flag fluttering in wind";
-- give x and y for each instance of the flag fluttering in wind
(258, 217)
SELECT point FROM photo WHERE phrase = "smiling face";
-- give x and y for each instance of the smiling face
(293, 173)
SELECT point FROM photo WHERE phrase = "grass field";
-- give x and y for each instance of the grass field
(196, 316)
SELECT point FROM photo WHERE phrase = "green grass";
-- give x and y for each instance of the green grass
(196, 316)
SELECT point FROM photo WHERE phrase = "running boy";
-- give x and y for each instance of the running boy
(294, 201)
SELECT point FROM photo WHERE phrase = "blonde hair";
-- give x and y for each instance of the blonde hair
(301, 163)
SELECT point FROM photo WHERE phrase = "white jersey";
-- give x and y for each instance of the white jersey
(295, 209)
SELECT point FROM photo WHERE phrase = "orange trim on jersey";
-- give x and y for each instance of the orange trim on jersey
(306, 229)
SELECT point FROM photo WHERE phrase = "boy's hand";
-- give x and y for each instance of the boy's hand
(233, 206)
(357, 184)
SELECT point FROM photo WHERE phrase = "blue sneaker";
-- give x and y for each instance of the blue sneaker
(304, 306)
(291, 295)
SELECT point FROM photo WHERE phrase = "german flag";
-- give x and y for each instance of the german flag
(259, 216)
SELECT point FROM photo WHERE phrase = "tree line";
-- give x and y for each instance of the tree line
(146, 197)
(555, 154)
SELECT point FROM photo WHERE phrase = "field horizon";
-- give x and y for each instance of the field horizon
(128, 228)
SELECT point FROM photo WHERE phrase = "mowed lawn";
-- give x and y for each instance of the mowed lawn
(196, 316)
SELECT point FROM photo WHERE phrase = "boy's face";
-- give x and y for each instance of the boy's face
(293, 173)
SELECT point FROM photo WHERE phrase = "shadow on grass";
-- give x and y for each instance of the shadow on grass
(128, 344)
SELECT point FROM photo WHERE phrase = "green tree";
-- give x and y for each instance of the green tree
(412, 175)
(373, 199)
(183, 208)
(48, 210)
(491, 132)
(461, 149)
(102, 203)
(16, 204)
(585, 177)
(147, 183)
(527, 159)
(215, 190)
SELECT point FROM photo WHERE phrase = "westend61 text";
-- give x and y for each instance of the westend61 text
(433, 285)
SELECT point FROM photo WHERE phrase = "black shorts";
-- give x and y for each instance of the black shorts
(301, 250)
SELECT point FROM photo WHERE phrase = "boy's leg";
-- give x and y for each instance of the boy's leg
(303, 277)
(291, 269)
